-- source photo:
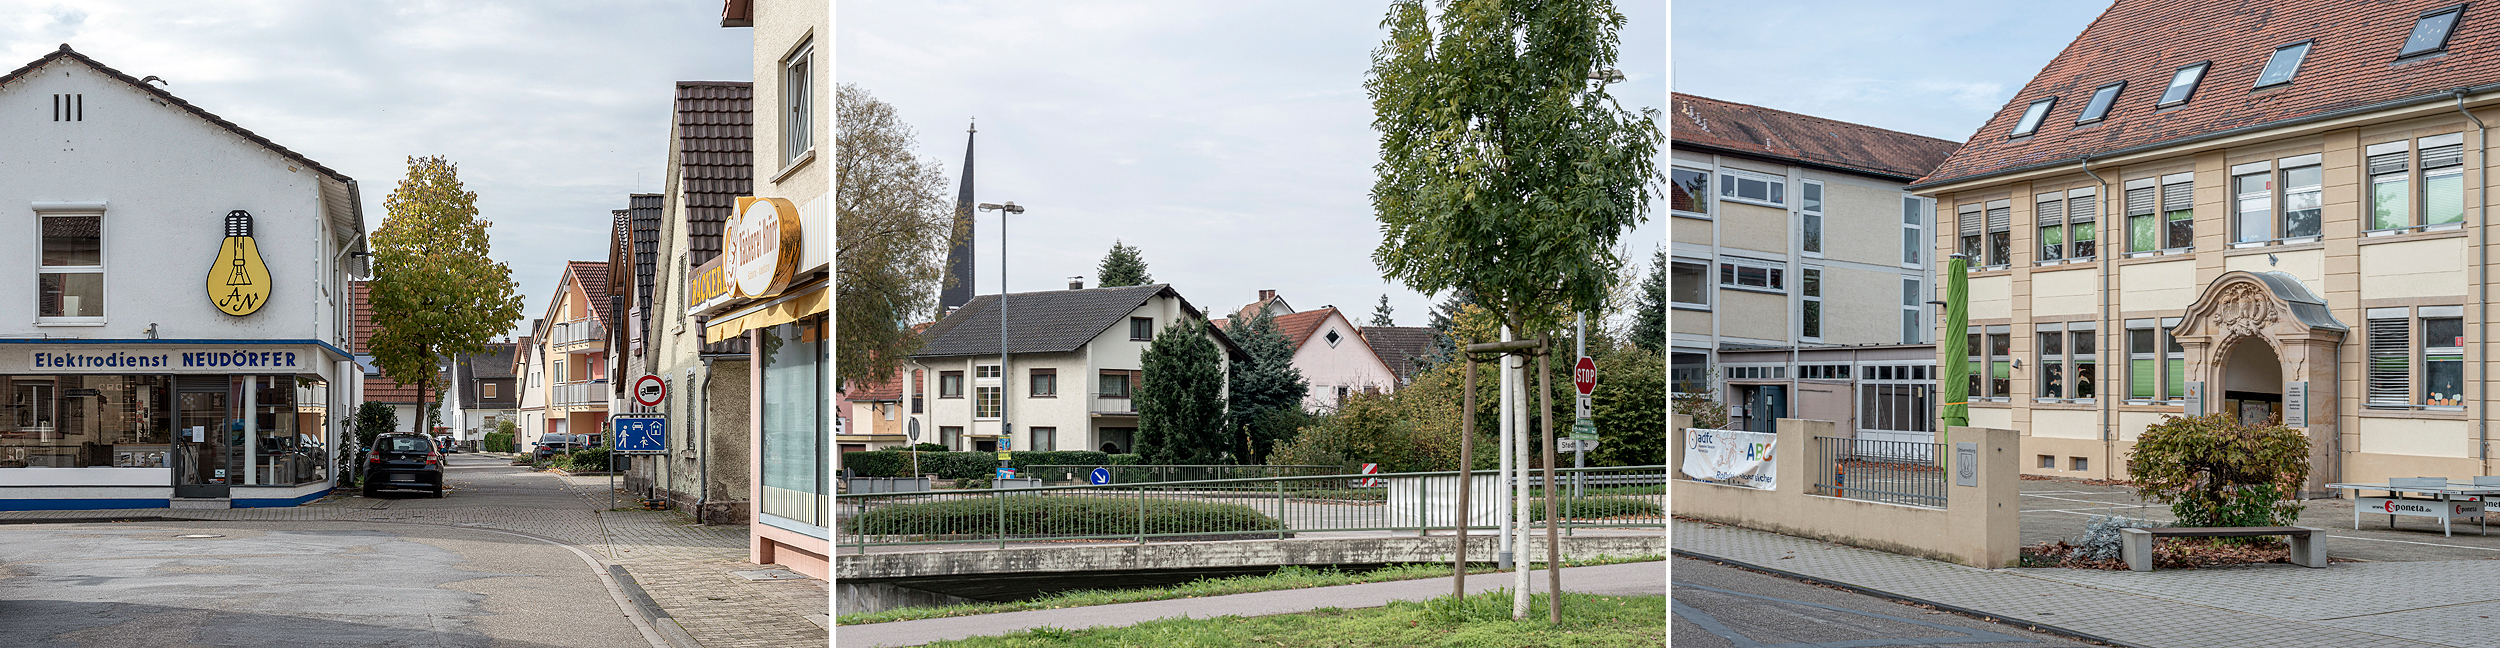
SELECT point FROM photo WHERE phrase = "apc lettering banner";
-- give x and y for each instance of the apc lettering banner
(1731, 457)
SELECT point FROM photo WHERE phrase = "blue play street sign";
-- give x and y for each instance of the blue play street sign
(1101, 476)
(641, 434)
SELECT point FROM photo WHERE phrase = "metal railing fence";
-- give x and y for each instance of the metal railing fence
(1892, 472)
(1231, 509)
(1064, 474)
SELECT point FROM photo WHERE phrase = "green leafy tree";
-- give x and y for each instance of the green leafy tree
(894, 224)
(1444, 323)
(1122, 266)
(1267, 389)
(1381, 313)
(2214, 470)
(1179, 399)
(435, 291)
(1649, 310)
(1503, 169)
(1630, 409)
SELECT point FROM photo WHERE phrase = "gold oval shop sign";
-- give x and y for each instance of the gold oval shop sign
(238, 283)
(763, 246)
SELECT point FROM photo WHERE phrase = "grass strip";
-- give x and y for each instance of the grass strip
(1589, 621)
(1290, 577)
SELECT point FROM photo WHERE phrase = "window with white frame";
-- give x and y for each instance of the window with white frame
(1689, 287)
(2397, 337)
(985, 402)
(2393, 172)
(1810, 309)
(798, 98)
(2156, 363)
(1810, 217)
(2303, 195)
(2050, 208)
(1757, 188)
(2083, 215)
(985, 371)
(1751, 274)
(1969, 224)
(1688, 192)
(2000, 233)
(69, 286)
(2068, 367)
(1913, 312)
(1913, 231)
(2252, 203)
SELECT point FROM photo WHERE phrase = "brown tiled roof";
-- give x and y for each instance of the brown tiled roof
(890, 390)
(1298, 327)
(1398, 346)
(2351, 65)
(170, 99)
(592, 276)
(1705, 123)
(380, 389)
(716, 158)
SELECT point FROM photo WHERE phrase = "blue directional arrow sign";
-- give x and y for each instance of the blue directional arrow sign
(641, 434)
(1100, 476)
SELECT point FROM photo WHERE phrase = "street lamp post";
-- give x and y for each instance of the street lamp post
(1006, 431)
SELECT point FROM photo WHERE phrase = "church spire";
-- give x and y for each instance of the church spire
(958, 288)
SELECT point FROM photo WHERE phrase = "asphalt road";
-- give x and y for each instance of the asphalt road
(312, 584)
(1717, 606)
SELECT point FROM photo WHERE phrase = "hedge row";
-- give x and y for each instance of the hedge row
(496, 442)
(968, 465)
(1053, 515)
(1590, 508)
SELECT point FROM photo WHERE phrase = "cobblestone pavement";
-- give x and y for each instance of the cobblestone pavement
(684, 567)
(2270, 606)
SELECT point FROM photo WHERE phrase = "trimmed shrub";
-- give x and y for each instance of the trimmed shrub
(585, 460)
(1030, 515)
(496, 442)
(1125, 460)
(2215, 471)
(961, 465)
(1588, 508)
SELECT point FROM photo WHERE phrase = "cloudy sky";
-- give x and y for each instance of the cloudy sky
(554, 110)
(1936, 68)
(1229, 141)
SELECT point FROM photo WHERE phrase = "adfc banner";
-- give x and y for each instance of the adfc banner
(1732, 457)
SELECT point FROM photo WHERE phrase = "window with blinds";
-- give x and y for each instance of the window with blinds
(2390, 358)
(2178, 209)
(2083, 208)
(2051, 208)
(2391, 196)
(2443, 179)
(2143, 222)
(1969, 222)
(2000, 232)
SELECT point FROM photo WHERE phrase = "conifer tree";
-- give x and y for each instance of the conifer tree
(1267, 389)
(1123, 267)
(1179, 399)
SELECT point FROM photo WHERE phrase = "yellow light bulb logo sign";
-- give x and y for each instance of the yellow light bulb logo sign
(239, 282)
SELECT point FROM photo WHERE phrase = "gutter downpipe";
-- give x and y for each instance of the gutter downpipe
(2482, 288)
(2108, 451)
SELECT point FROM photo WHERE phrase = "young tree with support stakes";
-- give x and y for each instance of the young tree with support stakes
(435, 292)
(1506, 170)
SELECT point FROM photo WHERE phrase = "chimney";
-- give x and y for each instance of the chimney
(1076, 283)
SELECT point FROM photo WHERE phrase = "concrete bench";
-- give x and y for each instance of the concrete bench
(2136, 545)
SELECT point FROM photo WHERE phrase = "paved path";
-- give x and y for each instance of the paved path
(1646, 578)
(2347, 605)
(2058, 509)
(685, 568)
(1724, 607)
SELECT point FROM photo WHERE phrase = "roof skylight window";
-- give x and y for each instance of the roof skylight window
(2430, 32)
(2286, 62)
(2101, 99)
(2183, 84)
(2032, 116)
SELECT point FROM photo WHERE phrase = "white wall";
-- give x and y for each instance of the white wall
(1349, 364)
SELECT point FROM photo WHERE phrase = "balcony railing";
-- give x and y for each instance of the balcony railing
(1114, 405)
(593, 392)
(578, 331)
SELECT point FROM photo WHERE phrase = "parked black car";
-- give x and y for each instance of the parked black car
(550, 445)
(403, 461)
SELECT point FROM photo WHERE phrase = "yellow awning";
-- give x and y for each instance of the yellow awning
(786, 309)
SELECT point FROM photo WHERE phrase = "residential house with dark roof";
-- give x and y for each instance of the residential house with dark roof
(480, 392)
(1334, 358)
(1071, 373)
(1403, 349)
(571, 356)
(2295, 228)
(710, 164)
(1795, 232)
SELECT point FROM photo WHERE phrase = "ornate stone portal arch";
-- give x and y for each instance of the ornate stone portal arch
(2275, 310)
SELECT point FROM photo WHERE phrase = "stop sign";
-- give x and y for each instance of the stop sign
(1584, 375)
